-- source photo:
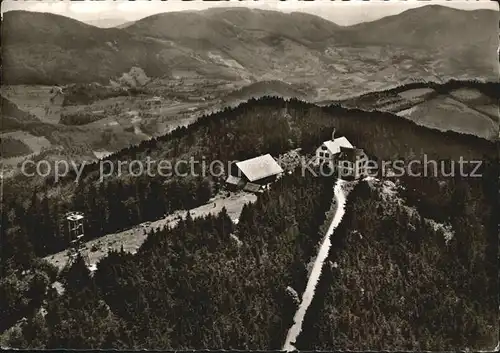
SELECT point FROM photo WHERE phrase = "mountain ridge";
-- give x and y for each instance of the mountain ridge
(257, 44)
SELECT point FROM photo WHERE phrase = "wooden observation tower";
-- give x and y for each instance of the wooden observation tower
(76, 235)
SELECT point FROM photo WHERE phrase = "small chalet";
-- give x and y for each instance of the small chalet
(234, 182)
(340, 154)
(254, 174)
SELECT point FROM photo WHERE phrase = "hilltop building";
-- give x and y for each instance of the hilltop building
(330, 149)
(254, 174)
(341, 155)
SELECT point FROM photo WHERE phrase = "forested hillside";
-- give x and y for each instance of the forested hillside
(403, 283)
(205, 283)
(277, 235)
(73, 142)
(395, 280)
(251, 129)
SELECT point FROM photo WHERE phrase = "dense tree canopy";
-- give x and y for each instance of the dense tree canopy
(209, 283)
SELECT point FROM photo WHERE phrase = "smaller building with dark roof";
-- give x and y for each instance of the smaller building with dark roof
(352, 163)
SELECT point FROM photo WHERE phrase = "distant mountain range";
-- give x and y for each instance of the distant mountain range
(108, 22)
(253, 45)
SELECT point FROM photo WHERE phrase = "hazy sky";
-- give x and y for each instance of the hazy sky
(342, 13)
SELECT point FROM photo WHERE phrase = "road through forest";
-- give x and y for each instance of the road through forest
(308, 295)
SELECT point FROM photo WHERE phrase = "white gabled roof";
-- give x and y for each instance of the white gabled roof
(334, 146)
(259, 167)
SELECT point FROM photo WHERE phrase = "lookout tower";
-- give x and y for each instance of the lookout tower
(76, 234)
(75, 226)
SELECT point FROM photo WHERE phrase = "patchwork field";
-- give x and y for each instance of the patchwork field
(16, 146)
(10, 147)
(91, 130)
(446, 113)
(465, 110)
(36, 100)
(469, 95)
(35, 143)
(491, 110)
(478, 101)
(416, 93)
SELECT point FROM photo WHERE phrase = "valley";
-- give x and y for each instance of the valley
(222, 61)
(110, 124)
(109, 257)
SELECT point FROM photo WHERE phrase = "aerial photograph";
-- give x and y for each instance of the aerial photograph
(250, 175)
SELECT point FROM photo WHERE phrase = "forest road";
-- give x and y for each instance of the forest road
(307, 297)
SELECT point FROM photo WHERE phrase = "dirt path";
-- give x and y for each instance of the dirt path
(308, 295)
(132, 239)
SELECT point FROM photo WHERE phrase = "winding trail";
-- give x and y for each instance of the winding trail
(308, 295)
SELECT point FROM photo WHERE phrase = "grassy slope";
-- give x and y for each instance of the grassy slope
(462, 106)
(10, 147)
(132, 239)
